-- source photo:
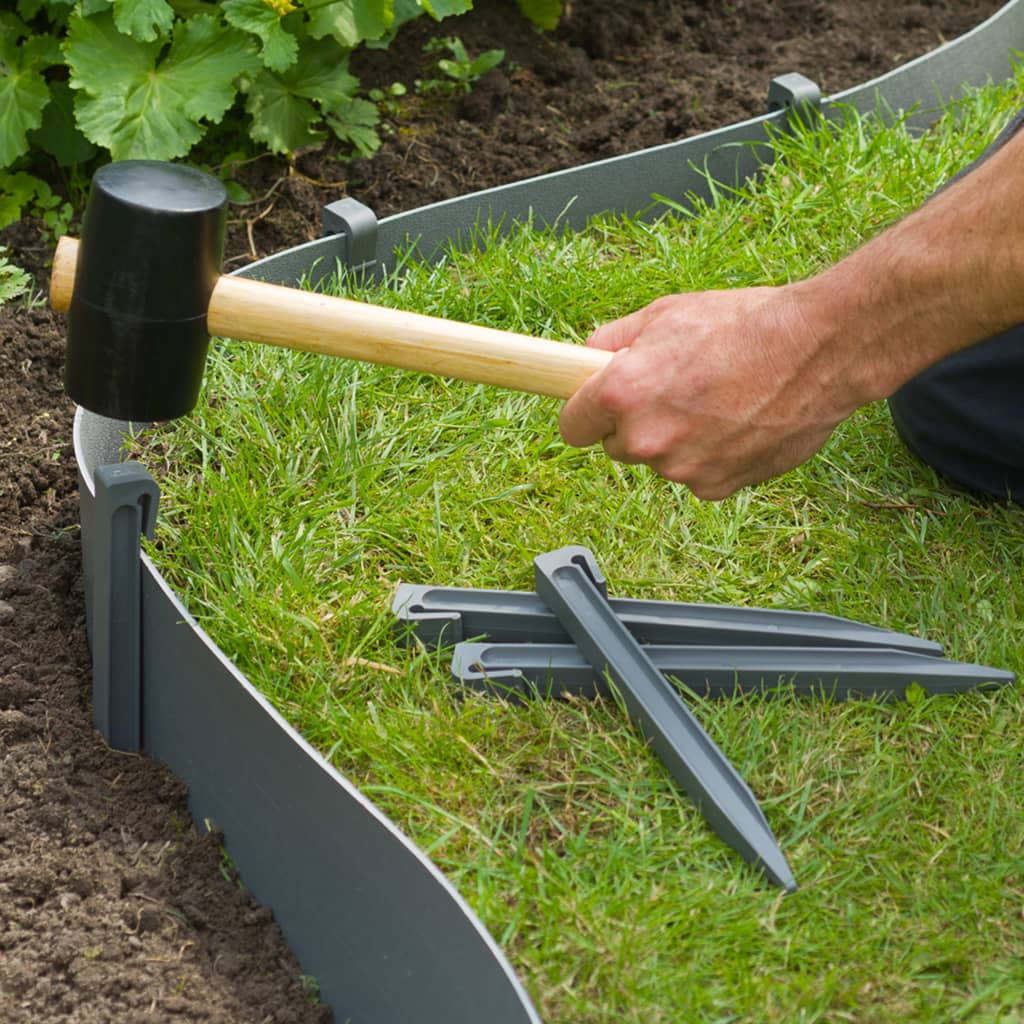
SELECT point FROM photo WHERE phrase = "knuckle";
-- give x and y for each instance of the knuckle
(664, 304)
(617, 395)
(646, 448)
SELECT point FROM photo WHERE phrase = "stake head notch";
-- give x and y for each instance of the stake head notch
(584, 558)
(152, 242)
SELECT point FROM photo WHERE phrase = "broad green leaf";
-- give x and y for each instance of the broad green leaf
(21, 49)
(406, 10)
(41, 51)
(24, 93)
(280, 47)
(58, 135)
(12, 30)
(351, 22)
(26, 195)
(321, 74)
(16, 192)
(278, 103)
(95, 6)
(280, 117)
(403, 11)
(543, 13)
(23, 97)
(355, 123)
(237, 192)
(204, 63)
(105, 66)
(439, 9)
(101, 59)
(143, 19)
(57, 10)
(136, 101)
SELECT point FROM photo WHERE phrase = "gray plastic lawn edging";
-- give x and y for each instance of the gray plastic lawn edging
(366, 913)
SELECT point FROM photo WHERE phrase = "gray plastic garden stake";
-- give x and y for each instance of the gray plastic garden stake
(440, 616)
(554, 670)
(570, 583)
(123, 510)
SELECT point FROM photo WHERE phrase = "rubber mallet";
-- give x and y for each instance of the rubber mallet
(143, 291)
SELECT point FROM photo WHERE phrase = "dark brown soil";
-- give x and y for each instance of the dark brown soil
(112, 906)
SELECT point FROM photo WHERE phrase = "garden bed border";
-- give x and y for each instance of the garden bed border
(366, 913)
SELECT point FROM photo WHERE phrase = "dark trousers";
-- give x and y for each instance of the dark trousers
(965, 415)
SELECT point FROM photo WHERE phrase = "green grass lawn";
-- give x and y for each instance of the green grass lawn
(305, 489)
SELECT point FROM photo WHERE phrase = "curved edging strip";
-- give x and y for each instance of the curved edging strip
(366, 913)
(386, 936)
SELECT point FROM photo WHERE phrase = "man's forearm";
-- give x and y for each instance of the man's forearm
(950, 275)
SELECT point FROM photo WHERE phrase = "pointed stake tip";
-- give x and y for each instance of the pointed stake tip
(776, 869)
(782, 877)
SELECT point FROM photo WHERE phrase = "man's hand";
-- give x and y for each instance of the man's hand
(721, 389)
(715, 390)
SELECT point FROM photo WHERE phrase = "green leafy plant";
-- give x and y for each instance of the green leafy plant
(24, 93)
(13, 280)
(22, 193)
(388, 100)
(147, 78)
(460, 71)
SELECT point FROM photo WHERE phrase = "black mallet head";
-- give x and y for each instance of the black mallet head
(152, 239)
(145, 291)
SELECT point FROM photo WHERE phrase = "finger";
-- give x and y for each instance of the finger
(620, 333)
(616, 448)
(584, 420)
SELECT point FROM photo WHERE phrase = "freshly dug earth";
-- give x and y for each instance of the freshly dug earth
(113, 907)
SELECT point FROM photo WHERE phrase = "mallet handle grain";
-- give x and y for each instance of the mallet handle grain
(290, 318)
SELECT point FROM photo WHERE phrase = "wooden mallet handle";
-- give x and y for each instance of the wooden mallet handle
(310, 322)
